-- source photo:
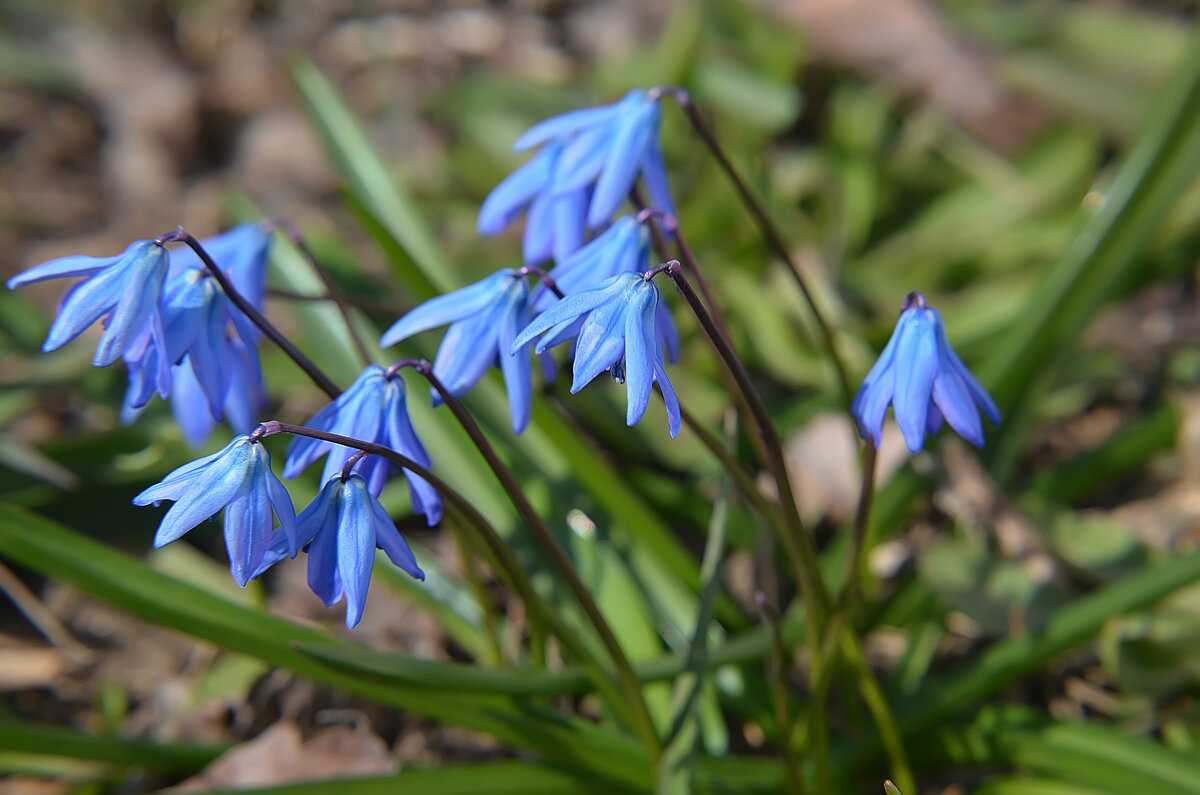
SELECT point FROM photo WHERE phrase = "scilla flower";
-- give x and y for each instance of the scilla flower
(614, 324)
(622, 248)
(372, 409)
(124, 290)
(239, 479)
(341, 529)
(586, 167)
(484, 320)
(924, 381)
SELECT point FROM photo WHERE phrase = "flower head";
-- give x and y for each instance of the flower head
(341, 529)
(621, 248)
(124, 290)
(588, 162)
(238, 478)
(372, 409)
(614, 323)
(211, 359)
(924, 381)
(484, 319)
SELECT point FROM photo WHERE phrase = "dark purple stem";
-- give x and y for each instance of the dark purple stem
(769, 231)
(331, 290)
(275, 335)
(543, 277)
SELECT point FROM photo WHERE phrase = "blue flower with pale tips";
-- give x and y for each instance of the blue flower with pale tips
(614, 328)
(484, 319)
(372, 409)
(622, 248)
(924, 381)
(341, 529)
(238, 478)
(588, 162)
(123, 290)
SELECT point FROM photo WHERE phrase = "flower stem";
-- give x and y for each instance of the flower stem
(858, 537)
(503, 557)
(796, 540)
(769, 231)
(315, 374)
(331, 289)
(559, 558)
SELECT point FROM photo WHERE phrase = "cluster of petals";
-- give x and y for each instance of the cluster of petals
(613, 325)
(168, 320)
(239, 479)
(924, 381)
(340, 529)
(484, 319)
(587, 164)
(373, 409)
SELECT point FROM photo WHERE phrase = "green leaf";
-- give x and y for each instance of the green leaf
(367, 174)
(495, 778)
(132, 586)
(20, 736)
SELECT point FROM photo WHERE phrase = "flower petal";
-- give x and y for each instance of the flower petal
(565, 124)
(915, 369)
(356, 545)
(389, 539)
(641, 353)
(448, 308)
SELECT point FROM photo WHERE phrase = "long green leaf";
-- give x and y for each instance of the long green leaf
(1158, 168)
(494, 778)
(173, 758)
(132, 586)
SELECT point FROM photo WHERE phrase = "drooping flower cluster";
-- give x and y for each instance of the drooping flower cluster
(587, 164)
(924, 381)
(373, 409)
(176, 331)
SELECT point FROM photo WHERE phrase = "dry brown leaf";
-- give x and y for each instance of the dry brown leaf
(906, 44)
(280, 755)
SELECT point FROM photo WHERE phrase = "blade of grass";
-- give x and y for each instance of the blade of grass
(1160, 165)
(173, 758)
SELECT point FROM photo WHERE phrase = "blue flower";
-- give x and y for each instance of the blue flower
(586, 167)
(484, 319)
(238, 478)
(124, 290)
(341, 529)
(622, 248)
(373, 409)
(212, 362)
(614, 324)
(924, 381)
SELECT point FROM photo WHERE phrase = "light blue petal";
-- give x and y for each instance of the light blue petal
(537, 245)
(573, 306)
(210, 491)
(389, 539)
(448, 308)
(974, 388)
(248, 523)
(360, 417)
(137, 302)
(75, 265)
(356, 546)
(667, 333)
(247, 396)
(466, 352)
(915, 369)
(636, 129)
(564, 124)
(569, 213)
(318, 523)
(515, 191)
(581, 161)
(182, 477)
(654, 175)
(567, 330)
(951, 396)
(281, 502)
(641, 352)
(670, 400)
(82, 306)
(601, 342)
(190, 406)
(516, 367)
